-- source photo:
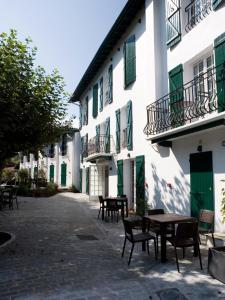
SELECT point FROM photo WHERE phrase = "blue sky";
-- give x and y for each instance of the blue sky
(67, 33)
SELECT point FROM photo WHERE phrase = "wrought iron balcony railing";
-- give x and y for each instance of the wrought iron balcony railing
(189, 103)
(100, 144)
(196, 11)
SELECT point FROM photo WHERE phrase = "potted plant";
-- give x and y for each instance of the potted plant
(216, 255)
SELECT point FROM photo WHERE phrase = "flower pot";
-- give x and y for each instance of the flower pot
(216, 263)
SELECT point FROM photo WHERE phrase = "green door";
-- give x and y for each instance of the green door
(140, 183)
(176, 96)
(63, 174)
(120, 177)
(35, 172)
(201, 173)
(219, 45)
(51, 173)
(87, 181)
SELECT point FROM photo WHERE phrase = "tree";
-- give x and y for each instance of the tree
(32, 103)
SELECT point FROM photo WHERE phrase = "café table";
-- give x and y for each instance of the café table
(120, 201)
(164, 220)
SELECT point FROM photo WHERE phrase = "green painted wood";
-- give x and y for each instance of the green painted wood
(51, 173)
(129, 61)
(140, 180)
(63, 174)
(201, 180)
(219, 47)
(110, 83)
(101, 94)
(120, 177)
(87, 181)
(81, 180)
(216, 3)
(107, 135)
(118, 130)
(129, 126)
(176, 96)
(95, 101)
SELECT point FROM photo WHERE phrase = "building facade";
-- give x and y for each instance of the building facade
(166, 56)
(60, 161)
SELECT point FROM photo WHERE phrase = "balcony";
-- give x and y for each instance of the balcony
(100, 147)
(197, 100)
(196, 11)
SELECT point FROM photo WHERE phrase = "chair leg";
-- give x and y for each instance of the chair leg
(213, 240)
(17, 203)
(148, 246)
(157, 243)
(98, 212)
(132, 248)
(178, 269)
(200, 258)
(124, 244)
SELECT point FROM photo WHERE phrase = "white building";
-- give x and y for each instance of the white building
(60, 161)
(151, 51)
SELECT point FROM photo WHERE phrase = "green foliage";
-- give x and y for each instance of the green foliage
(32, 103)
(7, 174)
(222, 210)
(52, 188)
(23, 175)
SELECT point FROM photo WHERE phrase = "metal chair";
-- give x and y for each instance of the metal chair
(186, 236)
(112, 208)
(102, 207)
(136, 238)
(206, 223)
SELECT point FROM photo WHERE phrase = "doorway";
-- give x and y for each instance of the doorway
(201, 179)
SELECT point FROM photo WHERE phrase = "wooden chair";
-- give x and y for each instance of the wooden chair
(206, 223)
(136, 238)
(186, 236)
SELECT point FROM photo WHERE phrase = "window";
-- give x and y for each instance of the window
(124, 128)
(52, 151)
(85, 112)
(101, 94)
(129, 61)
(95, 101)
(173, 27)
(64, 145)
(109, 86)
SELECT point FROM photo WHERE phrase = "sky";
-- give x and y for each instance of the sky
(67, 33)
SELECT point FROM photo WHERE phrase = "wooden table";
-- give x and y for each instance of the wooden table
(164, 220)
(120, 201)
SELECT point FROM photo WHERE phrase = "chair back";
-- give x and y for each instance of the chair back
(187, 230)
(101, 200)
(157, 211)
(206, 217)
(128, 227)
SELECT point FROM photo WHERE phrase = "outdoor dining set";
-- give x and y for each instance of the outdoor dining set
(179, 230)
(8, 196)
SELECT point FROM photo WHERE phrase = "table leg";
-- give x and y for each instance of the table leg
(103, 212)
(163, 242)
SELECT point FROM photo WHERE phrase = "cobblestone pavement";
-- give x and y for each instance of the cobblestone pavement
(51, 257)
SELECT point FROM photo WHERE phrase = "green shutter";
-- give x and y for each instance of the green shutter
(85, 121)
(95, 101)
(118, 130)
(51, 173)
(176, 96)
(140, 181)
(101, 95)
(63, 174)
(80, 118)
(129, 126)
(129, 61)
(216, 3)
(173, 26)
(87, 181)
(107, 135)
(81, 180)
(82, 148)
(120, 177)
(97, 140)
(219, 45)
(110, 83)
(86, 145)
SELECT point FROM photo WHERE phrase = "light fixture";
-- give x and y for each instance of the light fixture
(199, 148)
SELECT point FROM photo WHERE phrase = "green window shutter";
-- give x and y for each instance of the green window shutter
(216, 3)
(97, 140)
(129, 126)
(120, 177)
(118, 130)
(85, 118)
(63, 174)
(129, 61)
(80, 118)
(82, 148)
(110, 83)
(81, 180)
(107, 135)
(173, 25)
(51, 173)
(95, 101)
(176, 96)
(101, 95)
(87, 181)
(219, 47)
(140, 182)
